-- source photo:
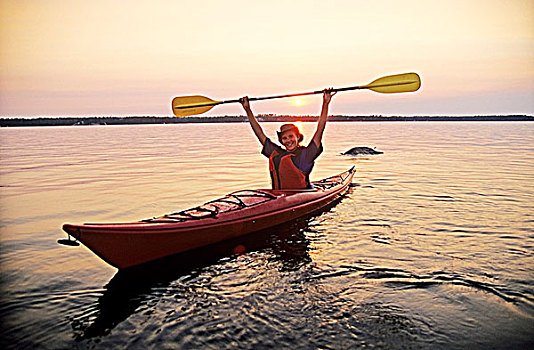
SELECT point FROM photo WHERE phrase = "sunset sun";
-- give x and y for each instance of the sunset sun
(298, 102)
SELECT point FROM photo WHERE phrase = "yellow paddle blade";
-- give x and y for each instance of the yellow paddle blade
(407, 82)
(183, 106)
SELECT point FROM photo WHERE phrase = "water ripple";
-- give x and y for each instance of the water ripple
(407, 279)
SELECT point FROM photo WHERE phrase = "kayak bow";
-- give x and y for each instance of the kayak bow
(124, 245)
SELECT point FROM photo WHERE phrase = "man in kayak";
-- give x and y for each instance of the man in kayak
(290, 166)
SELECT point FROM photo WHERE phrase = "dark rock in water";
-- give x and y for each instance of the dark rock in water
(354, 151)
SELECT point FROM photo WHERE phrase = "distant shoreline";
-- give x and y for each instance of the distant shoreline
(74, 121)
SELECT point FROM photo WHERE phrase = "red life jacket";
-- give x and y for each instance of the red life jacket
(285, 174)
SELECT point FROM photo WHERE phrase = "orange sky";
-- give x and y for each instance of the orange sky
(131, 57)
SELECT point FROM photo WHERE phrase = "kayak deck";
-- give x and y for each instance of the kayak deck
(232, 201)
(238, 200)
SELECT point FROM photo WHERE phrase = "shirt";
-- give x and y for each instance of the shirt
(304, 161)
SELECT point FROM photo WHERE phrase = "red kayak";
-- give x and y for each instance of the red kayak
(127, 244)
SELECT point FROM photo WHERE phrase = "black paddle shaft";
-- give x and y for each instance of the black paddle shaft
(294, 95)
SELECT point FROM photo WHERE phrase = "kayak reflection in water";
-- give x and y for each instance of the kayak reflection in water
(290, 166)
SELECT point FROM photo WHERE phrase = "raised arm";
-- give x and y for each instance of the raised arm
(327, 97)
(258, 131)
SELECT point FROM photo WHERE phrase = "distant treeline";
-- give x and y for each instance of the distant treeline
(67, 121)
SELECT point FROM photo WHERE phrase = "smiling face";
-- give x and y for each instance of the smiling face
(290, 140)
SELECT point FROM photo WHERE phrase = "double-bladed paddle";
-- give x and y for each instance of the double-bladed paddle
(183, 106)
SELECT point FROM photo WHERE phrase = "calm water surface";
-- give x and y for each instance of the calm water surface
(433, 246)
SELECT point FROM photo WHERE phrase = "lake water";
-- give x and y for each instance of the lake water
(432, 247)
